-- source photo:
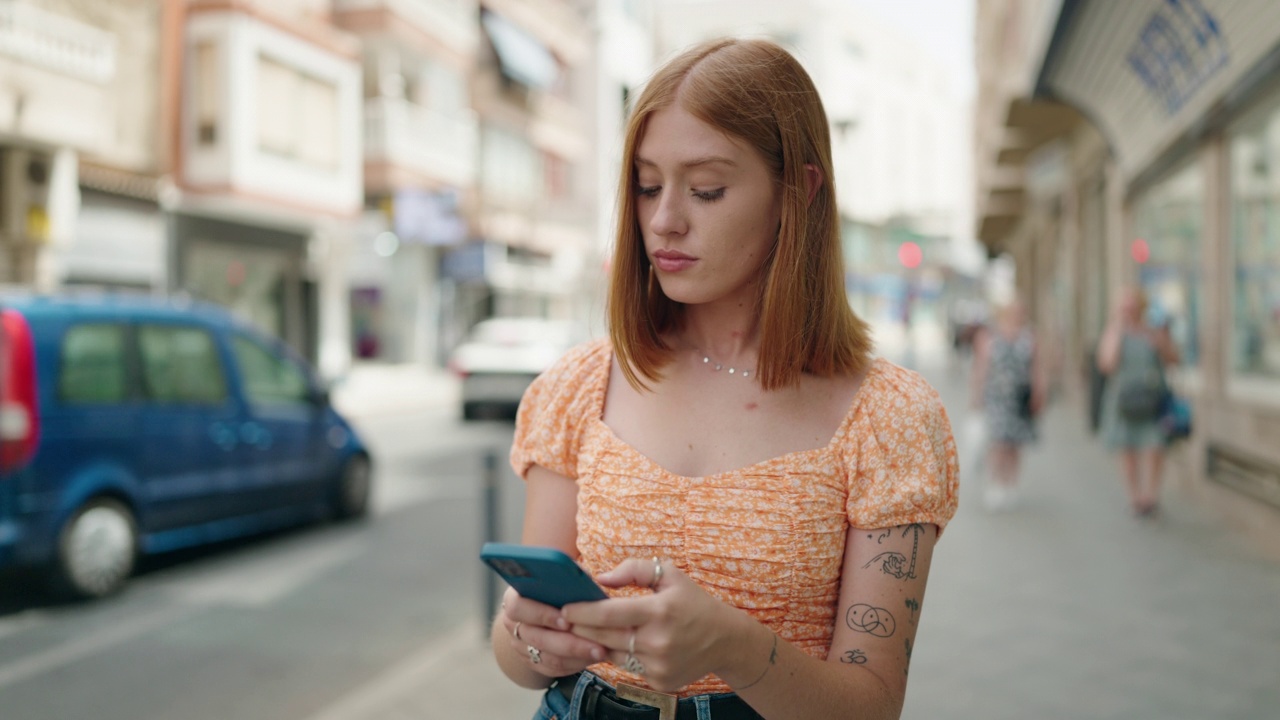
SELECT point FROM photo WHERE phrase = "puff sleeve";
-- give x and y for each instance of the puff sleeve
(901, 457)
(556, 408)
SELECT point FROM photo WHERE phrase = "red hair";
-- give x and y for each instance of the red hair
(754, 91)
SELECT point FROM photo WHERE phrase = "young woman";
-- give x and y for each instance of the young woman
(1009, 386)
(760, 495)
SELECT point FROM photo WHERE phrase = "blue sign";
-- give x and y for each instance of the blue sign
(1178, 50)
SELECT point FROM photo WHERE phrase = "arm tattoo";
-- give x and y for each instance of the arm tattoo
(773, 660)
(914, 607)
(864, 618)
(854, 657)
(895, 563)
(909, 649)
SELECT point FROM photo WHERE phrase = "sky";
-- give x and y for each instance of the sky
(943, 28)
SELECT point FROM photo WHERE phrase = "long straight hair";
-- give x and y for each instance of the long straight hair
(755, 91)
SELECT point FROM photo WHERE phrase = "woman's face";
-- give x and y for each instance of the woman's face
(708, 208)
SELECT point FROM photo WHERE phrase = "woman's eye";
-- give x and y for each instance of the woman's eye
(709, 195)
(648, 191)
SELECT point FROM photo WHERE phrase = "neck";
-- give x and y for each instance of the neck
(728, 332)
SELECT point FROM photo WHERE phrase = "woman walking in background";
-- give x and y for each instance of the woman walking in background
(1009, 388)
(1133, 356)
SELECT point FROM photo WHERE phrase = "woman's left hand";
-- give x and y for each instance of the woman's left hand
(675, 633)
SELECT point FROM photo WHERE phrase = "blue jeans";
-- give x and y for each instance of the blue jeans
(556, 707)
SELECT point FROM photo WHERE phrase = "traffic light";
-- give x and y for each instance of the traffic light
(1140, 251)
(910, 255)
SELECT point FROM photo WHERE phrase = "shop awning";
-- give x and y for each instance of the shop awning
(522, 57)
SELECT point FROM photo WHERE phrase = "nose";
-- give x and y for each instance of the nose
(668, 216)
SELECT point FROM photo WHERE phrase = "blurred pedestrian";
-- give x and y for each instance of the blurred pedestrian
(1133, 356)
(759, 494)
(1009, 388)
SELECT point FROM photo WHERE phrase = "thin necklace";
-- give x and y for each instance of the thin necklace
(717, 367)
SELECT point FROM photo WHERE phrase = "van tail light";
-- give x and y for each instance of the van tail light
(19, 414)
(457, 369)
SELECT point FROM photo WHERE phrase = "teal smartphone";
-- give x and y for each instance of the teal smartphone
(541, 573)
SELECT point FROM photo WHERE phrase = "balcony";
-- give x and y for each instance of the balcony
(43, 39)
(450, 22)
(401, 137)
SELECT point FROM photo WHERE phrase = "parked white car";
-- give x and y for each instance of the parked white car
(501, 357)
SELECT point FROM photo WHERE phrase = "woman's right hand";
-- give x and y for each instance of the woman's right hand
(542, 637)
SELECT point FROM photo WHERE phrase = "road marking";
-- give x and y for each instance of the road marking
(83, 647)
(265, 577)
(403, 679)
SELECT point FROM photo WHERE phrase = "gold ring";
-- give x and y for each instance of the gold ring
(516, 632)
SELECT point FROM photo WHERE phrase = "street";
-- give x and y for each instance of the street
(275, 627)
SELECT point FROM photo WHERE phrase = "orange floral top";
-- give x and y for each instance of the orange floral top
(768, 538)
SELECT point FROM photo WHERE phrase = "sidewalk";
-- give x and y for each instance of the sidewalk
(1064, 608)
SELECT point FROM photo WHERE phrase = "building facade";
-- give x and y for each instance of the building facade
(1135, 144)
(421, 158)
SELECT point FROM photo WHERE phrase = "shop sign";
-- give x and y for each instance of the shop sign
(429, 218)
(1177, 51)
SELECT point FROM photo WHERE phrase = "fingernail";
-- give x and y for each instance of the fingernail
(562, 624)
(597, 654)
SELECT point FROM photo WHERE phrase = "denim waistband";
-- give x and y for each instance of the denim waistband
(591, 698)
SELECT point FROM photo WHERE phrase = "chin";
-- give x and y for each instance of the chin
(687, 293)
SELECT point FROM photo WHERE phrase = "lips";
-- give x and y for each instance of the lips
(672, 260)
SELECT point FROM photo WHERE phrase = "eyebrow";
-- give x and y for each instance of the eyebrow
(705, 160)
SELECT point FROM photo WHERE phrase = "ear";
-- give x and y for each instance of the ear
(813, 180)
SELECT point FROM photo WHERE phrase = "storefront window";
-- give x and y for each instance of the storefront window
(1167, 245)
(1255, 236)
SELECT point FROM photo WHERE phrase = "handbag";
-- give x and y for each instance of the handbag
(1025, 410)
(1175, 423)
(1142, 400)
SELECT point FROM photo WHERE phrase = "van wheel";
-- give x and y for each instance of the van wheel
(97, 549)
(351, 496)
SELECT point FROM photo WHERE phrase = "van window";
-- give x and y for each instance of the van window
(93, 364)
(268, 378)
(180, 365)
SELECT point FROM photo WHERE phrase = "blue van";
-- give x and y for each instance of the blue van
(136, 425)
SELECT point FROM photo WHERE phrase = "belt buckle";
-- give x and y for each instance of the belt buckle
(665, 704)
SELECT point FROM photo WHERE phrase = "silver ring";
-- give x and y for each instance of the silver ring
(535, 655)
(516, 633)
(657, 573)
(633, 664)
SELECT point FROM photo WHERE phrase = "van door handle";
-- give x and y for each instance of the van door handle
(255, 434)
(222, 436)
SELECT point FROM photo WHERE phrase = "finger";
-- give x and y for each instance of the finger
(566, 647)
(644, 572)
(613, 613)
(612, 638)
(531, 613)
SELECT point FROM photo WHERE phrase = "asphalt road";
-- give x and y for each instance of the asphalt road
(278, 626)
